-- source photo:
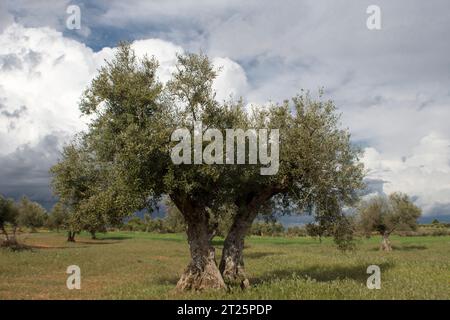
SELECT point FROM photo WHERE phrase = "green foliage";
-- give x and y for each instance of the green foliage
(387, 214)
(261, 228)
(9, 214)
(31, 214)
(296, 231)
(58, 217)
(315, 230)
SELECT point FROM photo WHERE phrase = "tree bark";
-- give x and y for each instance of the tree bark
(385, 243)
(232, 262)
(202, 272)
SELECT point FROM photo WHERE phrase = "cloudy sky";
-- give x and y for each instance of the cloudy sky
(391, 85)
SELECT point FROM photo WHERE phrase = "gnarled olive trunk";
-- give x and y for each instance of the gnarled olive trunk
(385, 243)
(202, 272)
(232, 262)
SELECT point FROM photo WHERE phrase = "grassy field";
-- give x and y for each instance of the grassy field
(147, 266)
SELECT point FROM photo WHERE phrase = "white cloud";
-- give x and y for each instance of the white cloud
(43, 73)
(231, 80)
(42, 76)
(423, 174)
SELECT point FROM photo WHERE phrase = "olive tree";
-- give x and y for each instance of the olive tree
(8, 215)
(130, 137)
(386, 214)
(83, 187)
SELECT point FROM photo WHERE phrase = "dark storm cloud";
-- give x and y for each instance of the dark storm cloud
(26, 170)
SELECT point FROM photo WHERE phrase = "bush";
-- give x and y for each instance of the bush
(260, 228)
(296, 231)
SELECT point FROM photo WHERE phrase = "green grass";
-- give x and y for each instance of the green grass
(126, 265)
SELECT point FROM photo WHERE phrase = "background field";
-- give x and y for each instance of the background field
(129, 265)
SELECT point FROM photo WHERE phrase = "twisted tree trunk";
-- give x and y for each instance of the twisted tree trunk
(202, 272)
(385, 243)
(232, 262)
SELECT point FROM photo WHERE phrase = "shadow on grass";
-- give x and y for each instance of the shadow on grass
(77, 245)
(409, 247)
(96, 242)
(115, 238)
(257, 255)
(14, 246)
(321, 273)
(403, 248)
(168, 280)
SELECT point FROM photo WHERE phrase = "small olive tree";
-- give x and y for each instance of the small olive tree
(31, 214)
(8, 215)
(386, 214)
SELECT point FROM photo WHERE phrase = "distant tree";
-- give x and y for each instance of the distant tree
(8, 215)
(58, 217)
(31, 214)
(269, 228)
(81, 183)
(316, 230)
(435, 222)
(135, 224)
(296, 231)
(386, 214)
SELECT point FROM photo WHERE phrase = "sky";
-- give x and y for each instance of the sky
(391, 85)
